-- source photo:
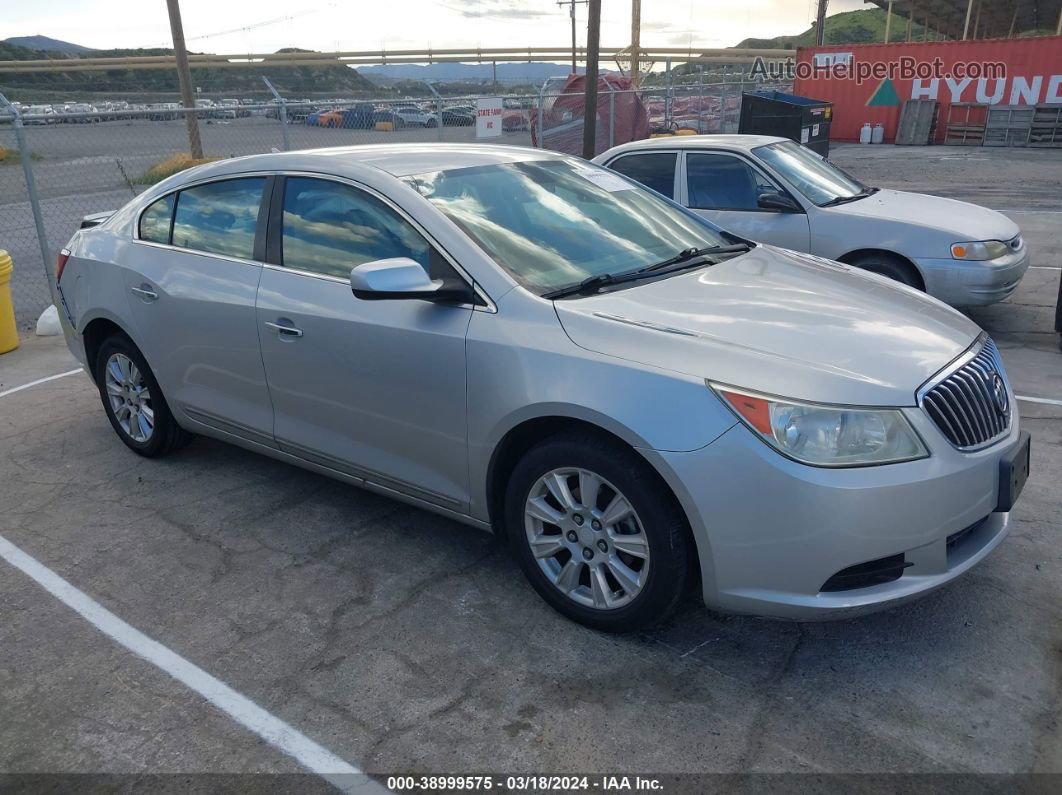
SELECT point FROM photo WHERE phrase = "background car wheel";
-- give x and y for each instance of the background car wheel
(431, 123)
(133, 400)
(597, 533)
(893, 267)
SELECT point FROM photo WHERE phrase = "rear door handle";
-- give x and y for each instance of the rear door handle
(284, 331)
(145, 293)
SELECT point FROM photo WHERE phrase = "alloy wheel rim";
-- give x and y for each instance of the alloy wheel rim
(129, 397)
(586, 538)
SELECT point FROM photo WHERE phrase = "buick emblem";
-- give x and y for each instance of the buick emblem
(999, 393)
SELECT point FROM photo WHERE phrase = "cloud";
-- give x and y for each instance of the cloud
(496, 9)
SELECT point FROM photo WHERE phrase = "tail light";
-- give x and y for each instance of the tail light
(64, 255)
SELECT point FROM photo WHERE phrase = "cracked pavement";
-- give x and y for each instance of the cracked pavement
(406, 643)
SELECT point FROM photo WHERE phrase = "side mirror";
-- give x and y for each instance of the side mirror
(402, 278)
(777, 201)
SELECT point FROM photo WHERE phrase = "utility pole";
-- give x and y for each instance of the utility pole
(184, 77)
(593, 47)
(820, 23)
(571, 5)
(636, 39)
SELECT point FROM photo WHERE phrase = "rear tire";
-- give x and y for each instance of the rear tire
(890, 266)
(133, 400)
(608, 573)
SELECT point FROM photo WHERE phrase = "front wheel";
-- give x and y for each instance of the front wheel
(133, 400)
(893, 267)
(597, 533)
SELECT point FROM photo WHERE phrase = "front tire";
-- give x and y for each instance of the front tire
(133, 400)
(892, 267)
(597, 533)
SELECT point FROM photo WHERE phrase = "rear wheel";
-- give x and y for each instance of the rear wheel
(891, 266)
(597, 533)
(133, 400)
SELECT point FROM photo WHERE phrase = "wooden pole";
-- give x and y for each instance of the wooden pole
(184, 78)
(820, 23)
(593, 46)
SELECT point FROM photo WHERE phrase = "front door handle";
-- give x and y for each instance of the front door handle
(284, 331)
(144, 292)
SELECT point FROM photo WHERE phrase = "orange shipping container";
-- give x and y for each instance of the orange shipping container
(949, 73)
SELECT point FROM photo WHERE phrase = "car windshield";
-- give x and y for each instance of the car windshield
(554, 223)
(818, 179)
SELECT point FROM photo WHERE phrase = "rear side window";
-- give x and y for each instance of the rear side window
(219, 217)
(155, 220)
(329, 228)
(655, 170)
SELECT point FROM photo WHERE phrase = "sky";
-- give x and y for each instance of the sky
(244, 26)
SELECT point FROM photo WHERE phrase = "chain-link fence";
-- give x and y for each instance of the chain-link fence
(88, 161)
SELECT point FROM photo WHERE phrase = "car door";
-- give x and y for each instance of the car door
(725, 188)
(657, 170)
(191, 278)
(375, 389)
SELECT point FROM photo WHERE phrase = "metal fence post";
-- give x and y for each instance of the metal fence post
(282, 112)
(538, 116)
(438, 109)
(31, 190)
(611, 117)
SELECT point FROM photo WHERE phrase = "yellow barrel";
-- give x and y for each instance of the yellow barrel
(8, 332)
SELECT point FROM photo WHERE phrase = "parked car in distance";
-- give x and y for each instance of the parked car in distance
(452, 117)
(39, 115)
(358, 117)
(776, 191)
(413, 116)
(532, 344)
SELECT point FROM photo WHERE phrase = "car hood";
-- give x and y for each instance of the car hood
(779, 322)
(961, 220)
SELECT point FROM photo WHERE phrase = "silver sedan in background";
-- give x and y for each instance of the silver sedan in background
(773, 190)
(532, 344)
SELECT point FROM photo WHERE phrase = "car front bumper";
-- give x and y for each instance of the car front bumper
(962, 283)
(771, 532)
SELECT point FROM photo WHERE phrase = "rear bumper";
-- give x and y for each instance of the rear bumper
(770, 532)
(973, 283)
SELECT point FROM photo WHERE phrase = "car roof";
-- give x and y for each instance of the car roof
(744, 142)
(399, 160)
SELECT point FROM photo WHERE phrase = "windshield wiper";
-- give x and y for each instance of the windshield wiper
(693, 253)
(684, 260)
(854, 197)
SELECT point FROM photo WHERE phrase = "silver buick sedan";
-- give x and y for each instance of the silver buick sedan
(534, 345)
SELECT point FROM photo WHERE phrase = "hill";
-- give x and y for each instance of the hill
(848, 27)
(39, 42)
(297, 81)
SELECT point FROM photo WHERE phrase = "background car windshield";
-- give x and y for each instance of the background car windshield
(816, 178)
(554, 223)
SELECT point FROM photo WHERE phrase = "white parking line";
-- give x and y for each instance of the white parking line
(1048, 401)
(241, 709)
(13, 390)
(1045, 267)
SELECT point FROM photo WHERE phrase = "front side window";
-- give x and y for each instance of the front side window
(724, 182)
(219, 217)
(655, 170)
(329, 228)
(816, 178)
(553, 223)
(155, 220)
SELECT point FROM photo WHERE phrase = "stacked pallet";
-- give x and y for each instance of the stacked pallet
(1046, 126)
(966, 124)
(1008, 125)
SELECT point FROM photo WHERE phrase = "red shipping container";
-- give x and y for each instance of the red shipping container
(1032, 66)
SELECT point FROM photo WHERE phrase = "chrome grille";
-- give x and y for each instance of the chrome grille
(971, 403)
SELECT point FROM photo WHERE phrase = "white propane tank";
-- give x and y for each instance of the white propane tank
(865, 134)
(878, 135)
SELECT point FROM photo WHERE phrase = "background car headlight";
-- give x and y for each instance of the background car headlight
(979, 250)
(822, 435)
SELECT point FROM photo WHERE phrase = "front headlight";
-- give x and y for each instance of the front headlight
(979, 250)
(827, 436)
